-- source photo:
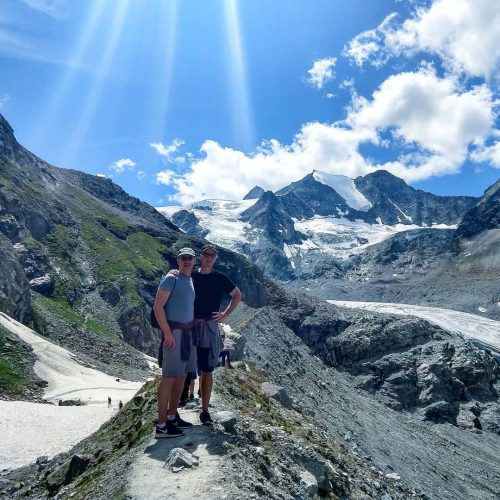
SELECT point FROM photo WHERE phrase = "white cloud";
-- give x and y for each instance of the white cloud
(166, 177)
(368, 46)
(489, 154)
(431, 122)
(464, 34)
(53, 8)
(428, 111)
(168, 150)
(119, 166)
(321, 72)
(141, 174)
(4, 99)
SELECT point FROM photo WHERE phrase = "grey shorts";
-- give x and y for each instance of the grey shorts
(172, 365)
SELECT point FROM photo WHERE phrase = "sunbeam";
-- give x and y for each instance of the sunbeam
(240, 101)
(164, 38)
(62, 90)
(103, 69)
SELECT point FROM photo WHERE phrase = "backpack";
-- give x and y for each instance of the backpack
(152, 315)
(155, 324)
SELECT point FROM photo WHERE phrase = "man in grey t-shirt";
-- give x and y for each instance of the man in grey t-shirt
(174, 311)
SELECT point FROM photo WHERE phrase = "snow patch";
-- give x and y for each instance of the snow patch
(346, 188)
(407, 217)
(222, 220)
(33, 429)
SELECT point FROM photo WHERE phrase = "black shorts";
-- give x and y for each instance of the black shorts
(202, 354)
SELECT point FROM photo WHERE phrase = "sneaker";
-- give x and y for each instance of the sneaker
(205, 418)
(181, 424)
(168, 430)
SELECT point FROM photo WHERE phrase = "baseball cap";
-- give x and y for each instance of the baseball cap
(209, 246)
(186, 251)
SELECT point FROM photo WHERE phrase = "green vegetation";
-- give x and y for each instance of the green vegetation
(62, 241)
(123, 262)
(61, 308)
(247, 394)
(13, 374)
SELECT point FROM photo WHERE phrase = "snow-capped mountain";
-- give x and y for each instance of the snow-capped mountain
(318, 220)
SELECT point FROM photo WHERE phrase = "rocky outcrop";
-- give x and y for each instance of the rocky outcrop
(393, 201)
(270, 216)
(189, 223)
(254, 193)
(485, 215)
(318, 198)
(441, 460)
(15, 298)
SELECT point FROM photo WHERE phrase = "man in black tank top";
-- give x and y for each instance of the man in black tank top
(210, 287)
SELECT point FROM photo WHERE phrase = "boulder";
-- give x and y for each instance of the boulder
(309, 483)
(227, 419)
(179, 457)
(43, 284)
(276, 392)
(67, 472)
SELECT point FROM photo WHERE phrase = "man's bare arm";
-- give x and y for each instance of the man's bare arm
(159, 308)
(236, 297)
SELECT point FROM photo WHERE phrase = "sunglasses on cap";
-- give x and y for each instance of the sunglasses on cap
(209, 254)
(186, 257)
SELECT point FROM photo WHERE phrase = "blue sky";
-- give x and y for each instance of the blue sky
(183, 100)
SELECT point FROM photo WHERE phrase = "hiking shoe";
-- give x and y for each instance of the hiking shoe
(168, 430)
(205, 418)
(181, 424)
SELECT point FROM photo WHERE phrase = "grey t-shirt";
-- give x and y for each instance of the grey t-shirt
(180, 303)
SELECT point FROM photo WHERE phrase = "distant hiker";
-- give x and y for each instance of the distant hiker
(120, 405)
(210, 286)
(109, 401)
(174, 311)
(59, 403)
(225, 352)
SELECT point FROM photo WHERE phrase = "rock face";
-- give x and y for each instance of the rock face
(189, 223)
(319, 198)
(484, 216)
(395, 202)
(254, 193)
(407, 363)
(441, 460)
(15, 299)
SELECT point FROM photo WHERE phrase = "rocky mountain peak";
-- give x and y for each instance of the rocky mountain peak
(254, 194)
(8, 143)
(485, 215)
(384, 180)
(319, 197)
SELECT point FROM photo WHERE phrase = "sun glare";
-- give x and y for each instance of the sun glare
(102, 70)
(240, 100)
(63, 88)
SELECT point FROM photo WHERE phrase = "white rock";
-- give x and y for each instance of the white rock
(227, 419)
(393, 475)
(309, 483)
(179, 457)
